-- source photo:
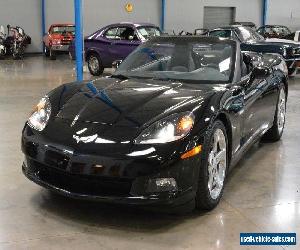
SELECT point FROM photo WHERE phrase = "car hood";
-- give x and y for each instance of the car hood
(60, 36)
(132, 102)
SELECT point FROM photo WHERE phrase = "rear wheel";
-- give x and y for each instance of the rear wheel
(95, 65)
(213, 170)
(276, 131)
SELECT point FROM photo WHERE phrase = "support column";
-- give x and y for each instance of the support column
(43, 20)
(265, 11)
(78, 39)
(163, 14)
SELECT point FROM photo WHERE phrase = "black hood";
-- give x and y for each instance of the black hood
(132, 102)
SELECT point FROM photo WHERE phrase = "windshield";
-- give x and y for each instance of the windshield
(147, 32)
(222, 33)
(184, 60)
(63, 29)
(248, 34)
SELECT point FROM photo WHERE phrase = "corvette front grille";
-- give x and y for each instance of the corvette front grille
(81, 184)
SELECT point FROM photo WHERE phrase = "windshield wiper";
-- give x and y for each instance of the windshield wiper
(120, 76)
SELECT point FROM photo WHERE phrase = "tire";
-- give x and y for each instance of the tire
(94, 64)
(2, 54)
(52, 54)
(275, 132)
(293, 71)
(16, 56)
(209, 190)
(46, 51)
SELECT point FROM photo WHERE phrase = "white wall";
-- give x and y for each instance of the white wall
(98, 13)
(285, 12)
(188, 14)
(26, 14)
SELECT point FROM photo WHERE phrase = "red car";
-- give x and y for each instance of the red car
(58, 39)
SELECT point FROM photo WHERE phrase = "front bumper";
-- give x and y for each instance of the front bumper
(170, 199)
(63, 48)
(107, 179)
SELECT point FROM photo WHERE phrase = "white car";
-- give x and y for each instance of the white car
(2, 39)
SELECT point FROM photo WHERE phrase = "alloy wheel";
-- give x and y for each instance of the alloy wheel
(94, 63)
(217, 162)
(281, 110)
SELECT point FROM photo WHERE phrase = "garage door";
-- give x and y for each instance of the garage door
(215, 17)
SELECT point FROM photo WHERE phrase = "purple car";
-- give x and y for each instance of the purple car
(114, 42)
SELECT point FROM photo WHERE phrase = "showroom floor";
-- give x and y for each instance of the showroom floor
(262, 192)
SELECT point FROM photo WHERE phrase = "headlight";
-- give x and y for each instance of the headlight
(171, 128)
(40, 114)
(56, 41)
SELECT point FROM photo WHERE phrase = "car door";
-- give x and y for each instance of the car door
(102, 42)
(258, 105)
(126, 41)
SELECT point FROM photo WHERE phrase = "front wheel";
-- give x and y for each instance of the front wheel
(95, 65)
(213, 168)
(46, 51)
(275, 132)
(2, 54)
(52, 54)
(16, 55)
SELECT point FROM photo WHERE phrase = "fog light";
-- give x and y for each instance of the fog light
(161, 185)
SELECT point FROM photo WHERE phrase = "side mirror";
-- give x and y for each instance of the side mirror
(116, 64)
(260, 72)
(130, 38)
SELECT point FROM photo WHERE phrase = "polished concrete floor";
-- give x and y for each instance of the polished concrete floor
(262, 192)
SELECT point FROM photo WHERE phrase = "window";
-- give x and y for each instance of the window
(221, 33)
(126, 33)
(147, 32)
(63, 29)
(224, 34)
(121, 33)
(111, 33)
(247, 34)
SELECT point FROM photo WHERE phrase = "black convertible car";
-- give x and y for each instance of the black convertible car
(252, 41)
(164, 129)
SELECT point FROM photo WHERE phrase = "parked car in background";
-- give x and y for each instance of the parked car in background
(114, 42)
(252, 41)
(294, 36)
(274, 31)
(58, 39)
(164, 130)
(278, 31)
(2, 42)
(246, 24)
(16, 42)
